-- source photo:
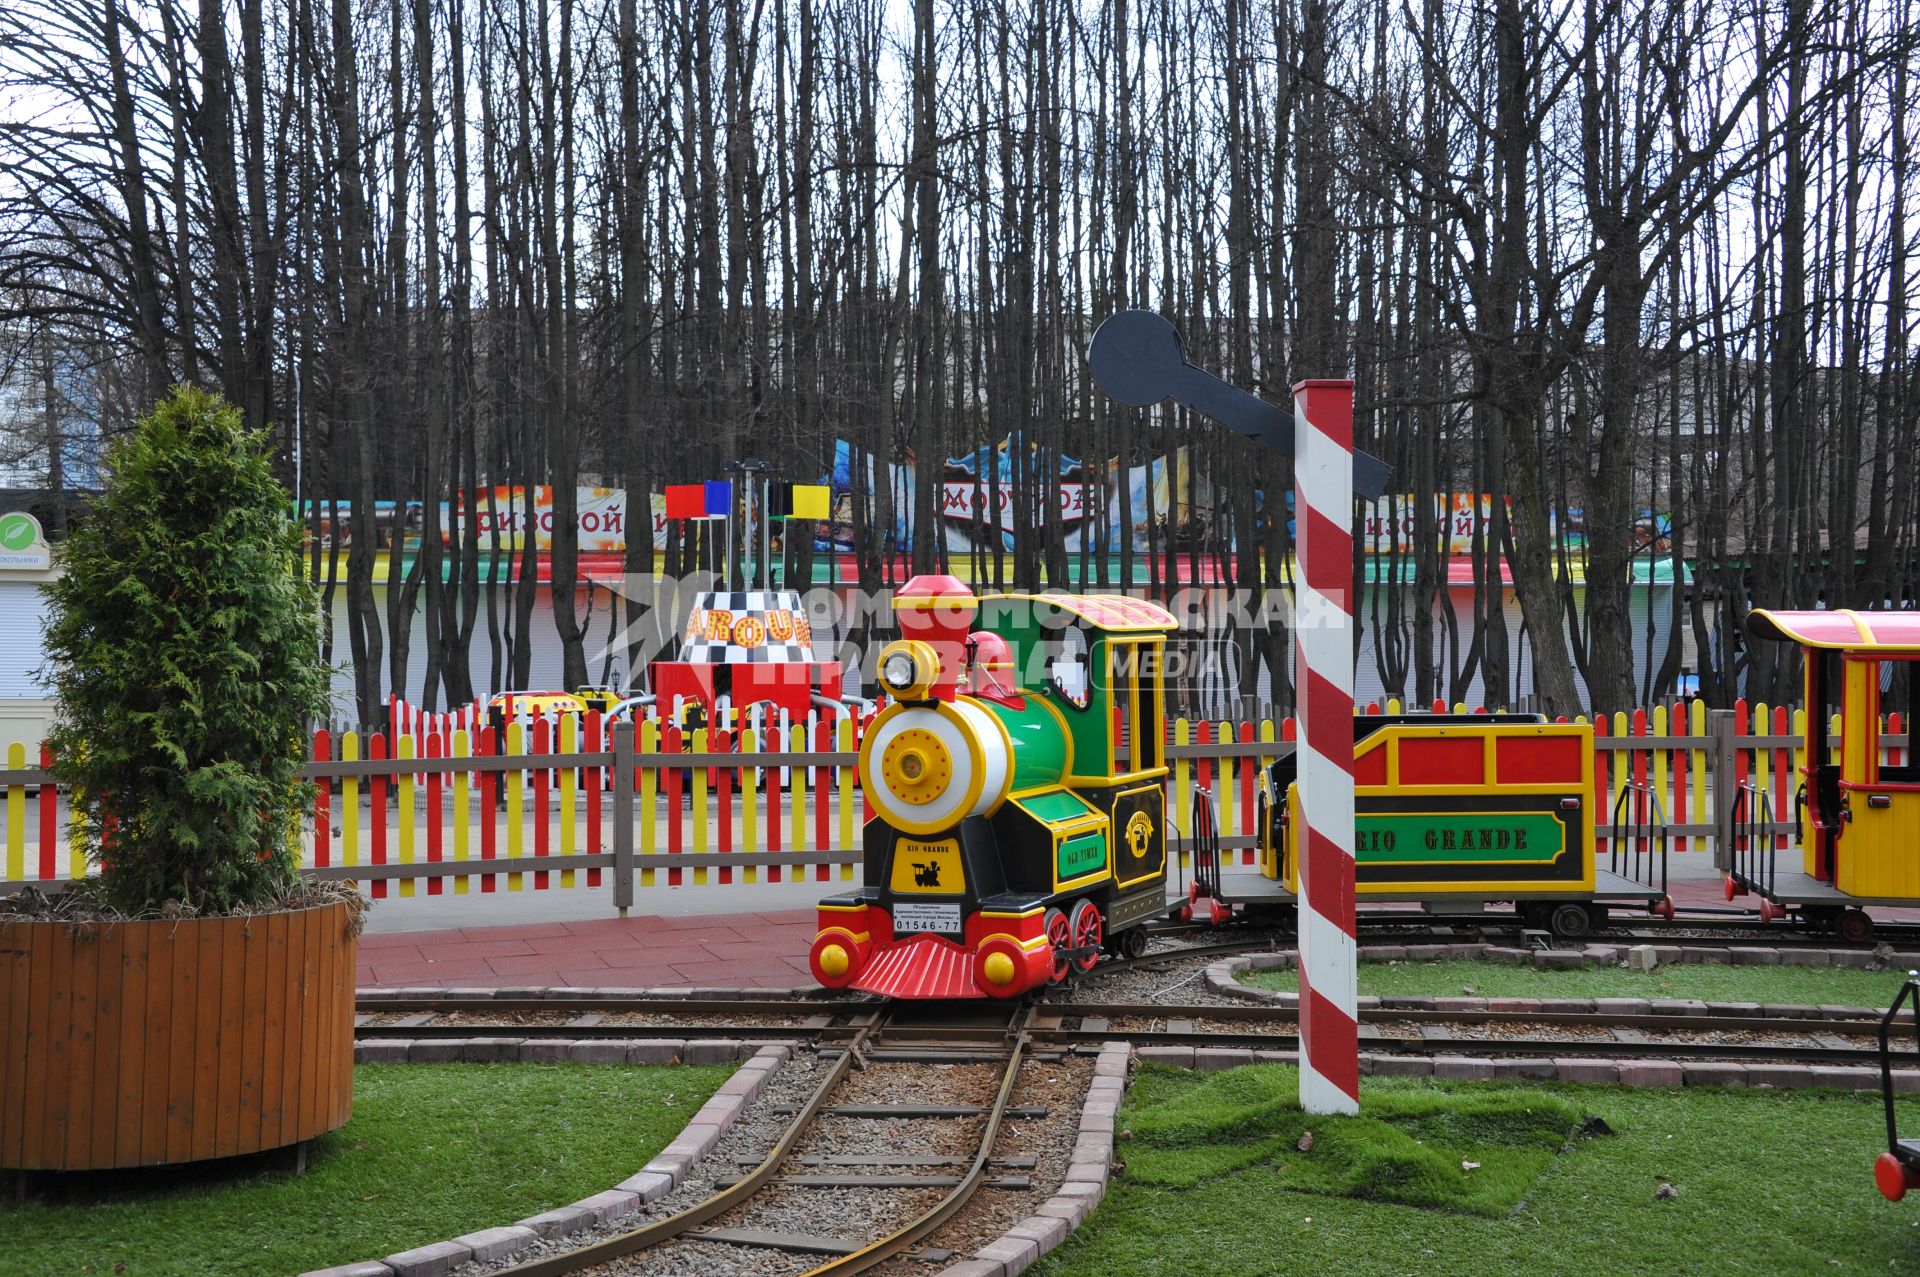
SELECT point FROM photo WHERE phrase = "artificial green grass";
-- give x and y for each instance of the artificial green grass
(1849, 986)
(1766, 1183)
(432, 1151)
(1478, 1152)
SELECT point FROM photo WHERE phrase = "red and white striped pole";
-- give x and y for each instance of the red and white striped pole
(1323, 675)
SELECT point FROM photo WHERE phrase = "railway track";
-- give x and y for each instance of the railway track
(943, 1032)
(1401, 926)
(873, 1039)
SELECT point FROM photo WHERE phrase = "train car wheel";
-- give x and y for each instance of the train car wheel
(1571, 921)
(1087, 928)
(1132, 943)
(1820, 921)
(1060, 935)
(1854, 926)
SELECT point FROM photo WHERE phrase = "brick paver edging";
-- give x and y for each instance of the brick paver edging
(1222, 979)
(1085, 1183)
(570, 993)
(654, 1180)
(1463, 1068)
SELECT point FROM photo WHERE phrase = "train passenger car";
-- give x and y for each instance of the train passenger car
(1856, 810)
(1018, 785)
(1456, 812)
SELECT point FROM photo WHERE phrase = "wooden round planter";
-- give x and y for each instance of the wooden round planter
(142, 1043)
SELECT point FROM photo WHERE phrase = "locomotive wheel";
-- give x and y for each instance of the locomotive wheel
(1571, 921)
(1854, 926)
(1060, 934)
(1087, 927)
(1133, 942)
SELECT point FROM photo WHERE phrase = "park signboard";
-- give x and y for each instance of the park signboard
(23, 546)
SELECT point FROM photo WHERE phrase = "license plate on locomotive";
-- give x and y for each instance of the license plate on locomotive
(909, 915)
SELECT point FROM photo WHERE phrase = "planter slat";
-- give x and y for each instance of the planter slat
(302, 1039)
(14, 963)
(158, 1083)
(12, 1005)
(134, 1032)
(144, 1043)
(203, 1034)
(54, 980)
(83, 1015)
(309, 1107)
(110, 1014)
(185, 963)
(273, 1067)
(228, 1027)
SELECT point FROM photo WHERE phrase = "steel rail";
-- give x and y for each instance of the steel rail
(1019, 1035)
(721, 1202)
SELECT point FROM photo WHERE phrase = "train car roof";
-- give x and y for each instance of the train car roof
(1841, 629)
(1115, 613)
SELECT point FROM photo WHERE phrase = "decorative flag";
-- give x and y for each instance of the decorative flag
(812, 501)
(801, 501)
(686, 501)
(719, 498)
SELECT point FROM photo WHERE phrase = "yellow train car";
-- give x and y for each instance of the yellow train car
(1455, 812)
(1858, 813)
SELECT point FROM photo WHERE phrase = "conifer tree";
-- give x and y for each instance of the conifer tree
(184, 657)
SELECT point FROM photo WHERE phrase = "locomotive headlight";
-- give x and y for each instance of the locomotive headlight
(908, 668)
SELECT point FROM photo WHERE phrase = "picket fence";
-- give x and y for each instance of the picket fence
(577, 802)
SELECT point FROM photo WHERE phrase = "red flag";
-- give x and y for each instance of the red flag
(686, 501)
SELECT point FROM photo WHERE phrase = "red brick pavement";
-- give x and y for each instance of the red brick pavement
(756, 950)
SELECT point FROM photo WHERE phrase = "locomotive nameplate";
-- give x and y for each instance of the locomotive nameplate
(1465, 837)
(931, 868)
(1082, 855)
(923, 915)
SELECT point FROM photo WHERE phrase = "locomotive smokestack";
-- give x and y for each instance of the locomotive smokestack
(939, 611)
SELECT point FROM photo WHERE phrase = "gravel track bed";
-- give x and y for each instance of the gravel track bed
(744, 1145)
(1062, 1087)
(849, 1213)
(1164, 975)
(852, 1213)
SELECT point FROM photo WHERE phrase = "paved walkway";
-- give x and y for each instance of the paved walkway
(694, 936)
(751, 950)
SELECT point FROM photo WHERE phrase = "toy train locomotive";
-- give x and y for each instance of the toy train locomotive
(1020, 812)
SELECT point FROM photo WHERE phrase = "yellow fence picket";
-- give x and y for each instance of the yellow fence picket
(1657, 726)
(699, 774)
(797, 791)
(515, 784)
(750, 799)
(404, 749)
(16, 815)
(1697, 726)
(569, 795)
(648, 743)
(350, 801)
(1182, 786)
(1225, 786)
